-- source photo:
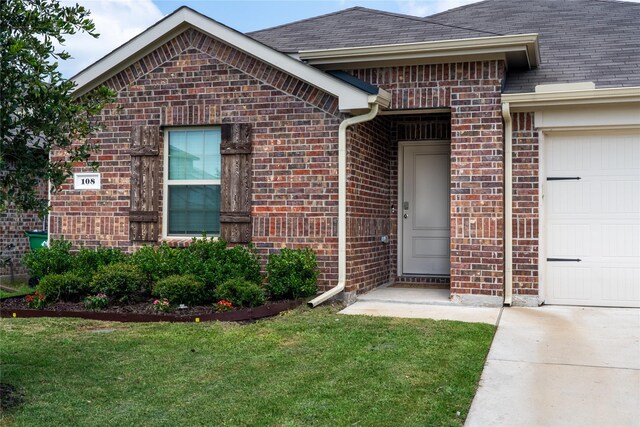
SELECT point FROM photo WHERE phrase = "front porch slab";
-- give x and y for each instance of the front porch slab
(419, 304)
(408, 295)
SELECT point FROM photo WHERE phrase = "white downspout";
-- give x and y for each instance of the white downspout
(342, 204)
(508, 204)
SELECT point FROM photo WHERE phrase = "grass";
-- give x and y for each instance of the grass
(21, 287)
(305, 368)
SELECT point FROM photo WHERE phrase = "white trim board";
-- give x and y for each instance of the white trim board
(523, 102)
(519, 50)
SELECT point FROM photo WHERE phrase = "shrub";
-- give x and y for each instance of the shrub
(66, 287)
(210, 260)
(158, 263)
(87, 261)
(206, 249)
(180, 289)
(120, 281)
(206, 259)
(54, 259)
(243, 262)
(292, 273)
(241, 292)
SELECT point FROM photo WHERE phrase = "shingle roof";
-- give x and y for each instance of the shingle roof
(357, 27)
(580, 40)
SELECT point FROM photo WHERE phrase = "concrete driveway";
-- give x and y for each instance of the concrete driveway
(561, 366)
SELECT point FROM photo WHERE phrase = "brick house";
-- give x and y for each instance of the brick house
(493, 147)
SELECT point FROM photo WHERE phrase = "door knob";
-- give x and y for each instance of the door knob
(405, 216)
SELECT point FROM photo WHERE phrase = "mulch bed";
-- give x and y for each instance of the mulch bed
(141, 311)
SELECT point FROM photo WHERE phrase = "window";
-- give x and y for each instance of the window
(192, 182)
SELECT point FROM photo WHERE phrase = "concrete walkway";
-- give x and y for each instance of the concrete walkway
(561, 366)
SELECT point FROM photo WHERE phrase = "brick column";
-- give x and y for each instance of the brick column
(477, 188)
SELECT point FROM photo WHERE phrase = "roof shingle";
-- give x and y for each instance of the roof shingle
(580, 40)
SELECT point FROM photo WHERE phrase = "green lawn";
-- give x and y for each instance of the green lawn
(20, 286)
(305, 368)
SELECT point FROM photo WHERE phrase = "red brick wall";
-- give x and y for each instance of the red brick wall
(195, 80)
(368, 205)
(526, 165)
(13, 243)
(473, 92)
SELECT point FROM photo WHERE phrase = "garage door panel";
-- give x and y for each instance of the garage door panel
(624, 154)
(575, 155)
(574, 277)
(622, 283)
(621, 241)
(568, 239)
(615, 199)
(595, 219)
(570, 197)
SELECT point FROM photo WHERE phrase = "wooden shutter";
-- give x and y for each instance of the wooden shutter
(235, 204)
(145, 184)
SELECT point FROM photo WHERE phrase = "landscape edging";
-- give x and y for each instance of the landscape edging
(263, 311)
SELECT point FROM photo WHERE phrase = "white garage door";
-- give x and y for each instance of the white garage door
(592, 210)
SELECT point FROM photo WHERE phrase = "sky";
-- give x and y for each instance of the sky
(118, 21)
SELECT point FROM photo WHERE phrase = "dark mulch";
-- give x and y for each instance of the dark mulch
(142, 311)
(142, 307)
(10, 397)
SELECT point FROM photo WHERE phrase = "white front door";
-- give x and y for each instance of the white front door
(592, 208)
(424, 209)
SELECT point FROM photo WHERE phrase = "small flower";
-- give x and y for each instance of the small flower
(162, 305)
(96, 302)
(35, 300)
(223, 305)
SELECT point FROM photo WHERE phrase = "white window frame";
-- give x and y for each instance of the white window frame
(166, 182)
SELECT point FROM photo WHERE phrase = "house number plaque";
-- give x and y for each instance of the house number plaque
(86, 181)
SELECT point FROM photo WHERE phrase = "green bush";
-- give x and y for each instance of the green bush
(206, 249)
(180, 289)
(214, 264)
(121, 281)
(54, 259)
(205, 258)
(66, 287)
(87, 261)
(243, 262)
(158, 263)
(241, 293)
(292, 273)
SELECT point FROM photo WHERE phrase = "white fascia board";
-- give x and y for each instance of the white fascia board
(349, 97)
(538, 100)
(525, 43)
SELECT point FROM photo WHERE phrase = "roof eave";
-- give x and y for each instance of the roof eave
(520, 50)
(349, 97)
(538, 100)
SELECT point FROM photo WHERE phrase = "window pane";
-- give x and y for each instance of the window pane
(194, 209)
(194, 154)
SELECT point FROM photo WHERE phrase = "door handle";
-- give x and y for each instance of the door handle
(405, 216)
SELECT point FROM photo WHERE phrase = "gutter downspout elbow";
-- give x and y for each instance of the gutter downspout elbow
(508, 204)
(342, 204)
